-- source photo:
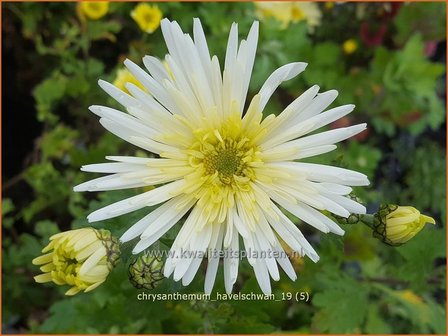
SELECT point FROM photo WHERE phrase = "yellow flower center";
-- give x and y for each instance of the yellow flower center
(224, 156)
(94, 10)
(297, 14)
(94, 6)
(226, 159)
(149, 17)
(221, 160)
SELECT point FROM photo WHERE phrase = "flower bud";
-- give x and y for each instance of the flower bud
(80, 258)
(395, 225)
(146, 271)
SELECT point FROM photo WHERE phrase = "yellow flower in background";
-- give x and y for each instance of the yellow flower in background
(123, 77)
(147, 17)
(80, 258)
(350, 46)
(287, 12)
(268, 9)
(398, 224)
(329, 5)
(94, 9)
(410, 297)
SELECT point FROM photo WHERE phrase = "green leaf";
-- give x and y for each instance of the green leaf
(57, 142)
(342, 306)
(419, 255)
(362, 157)
(409, 98)
(421, 311)
(427, 18)
(326, 53)
(100, 29)
(78, 85)
(375, 323)
(46, 228)
(50, 187)
(47, 94)
(7, 206)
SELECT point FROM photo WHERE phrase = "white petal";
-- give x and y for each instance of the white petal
(313, 151)
(313, 217)
(124, 119)
(284, 73)
(294, 230)
(166, 210)
(130, 135)
(151, 85)
(317, 105)
(307, 126)
(191, 260)
(213, 260)
(128, 159)
(323, 173)
(248, 61)
(349, 204)
(262, 275)
(153, 111)
(192, 270)
(285, 264)
(201, 42)
(231, 260)
(183, 264)
(148, 198)
(232, 45)
(317, 140)
(283, 121)
(333, 188)
(120, 96)
(116, 167)
(156, 69)
(111, 182)
(172, 215)
(265, 246)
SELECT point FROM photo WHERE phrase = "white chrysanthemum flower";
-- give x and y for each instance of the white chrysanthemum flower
(229, 170)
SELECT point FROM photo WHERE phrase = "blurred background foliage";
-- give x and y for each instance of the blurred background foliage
(387, 58)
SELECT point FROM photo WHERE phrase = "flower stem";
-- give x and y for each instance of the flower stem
(368, 220)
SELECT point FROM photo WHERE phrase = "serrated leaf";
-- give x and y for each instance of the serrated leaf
(427, 18)
(47, 94)
(342, 307)
(57, 142)
(420, 254)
